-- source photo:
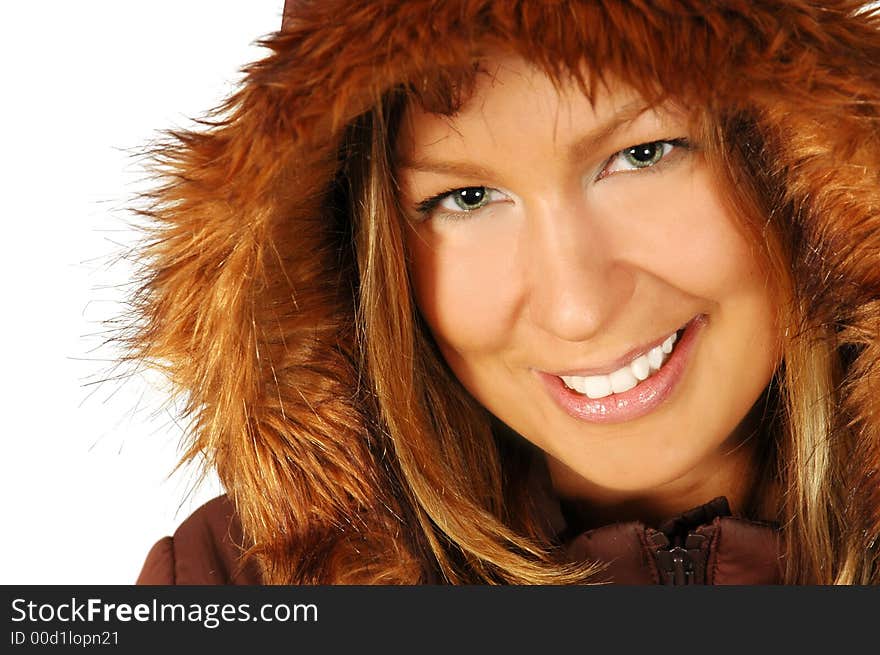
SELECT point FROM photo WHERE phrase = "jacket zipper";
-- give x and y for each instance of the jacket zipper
(679, 565)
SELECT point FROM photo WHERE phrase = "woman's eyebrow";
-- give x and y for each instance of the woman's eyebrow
(580, 149)
(583, 147)
(460, 168)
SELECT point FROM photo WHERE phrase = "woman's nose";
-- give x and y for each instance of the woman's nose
(577, 285)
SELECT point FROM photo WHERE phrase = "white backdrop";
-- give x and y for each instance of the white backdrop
(84, 467)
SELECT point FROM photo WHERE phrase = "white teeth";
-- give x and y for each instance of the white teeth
(624, 378)
(577, 383)
(655, 357)
(597, 386)
(641, 368)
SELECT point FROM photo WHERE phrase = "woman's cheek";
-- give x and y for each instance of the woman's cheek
(466, 283)
(676, 229)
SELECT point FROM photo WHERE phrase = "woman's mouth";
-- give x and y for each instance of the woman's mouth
(626, 377)
(635, 388)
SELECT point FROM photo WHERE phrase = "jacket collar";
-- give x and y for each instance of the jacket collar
(704, 545)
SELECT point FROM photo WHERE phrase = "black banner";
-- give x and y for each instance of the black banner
(406, 619)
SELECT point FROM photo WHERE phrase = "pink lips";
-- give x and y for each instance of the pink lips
(638, 401)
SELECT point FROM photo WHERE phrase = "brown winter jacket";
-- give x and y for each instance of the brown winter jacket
(705, 545)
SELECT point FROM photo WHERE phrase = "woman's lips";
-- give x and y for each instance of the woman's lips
(638, 401)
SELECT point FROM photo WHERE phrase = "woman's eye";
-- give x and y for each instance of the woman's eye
(643, 155)
(467, 199)
(457, 202)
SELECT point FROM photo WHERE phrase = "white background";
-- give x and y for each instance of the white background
(84, 467)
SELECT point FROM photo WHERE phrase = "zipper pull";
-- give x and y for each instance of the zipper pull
(679, 565)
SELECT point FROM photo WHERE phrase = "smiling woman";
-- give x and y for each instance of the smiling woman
(537, 306)
(555, 284)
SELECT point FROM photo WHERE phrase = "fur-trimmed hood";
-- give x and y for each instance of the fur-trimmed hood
(249, 291)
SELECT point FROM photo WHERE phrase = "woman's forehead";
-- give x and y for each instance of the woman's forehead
(511, 94)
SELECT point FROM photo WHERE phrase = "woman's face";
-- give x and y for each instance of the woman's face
(553, 260)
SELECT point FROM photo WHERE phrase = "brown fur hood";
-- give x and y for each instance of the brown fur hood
(249, 288)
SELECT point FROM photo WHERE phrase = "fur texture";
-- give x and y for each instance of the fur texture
(249, 290)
